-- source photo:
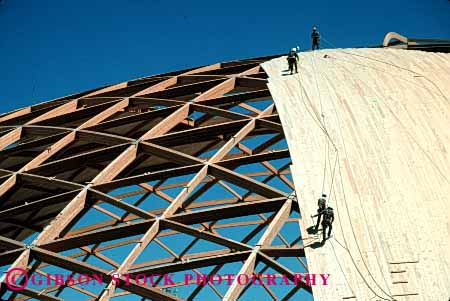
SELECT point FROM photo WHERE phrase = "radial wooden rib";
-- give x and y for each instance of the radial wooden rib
(247, 269)
(15, 114)
(105, 114)
(169, 123)
(31, 206)
(217, 91)
(50, 151)
(249, 265)
(60, 110)
(158, 87)
(10, 138)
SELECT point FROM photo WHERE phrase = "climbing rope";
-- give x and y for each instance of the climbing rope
(346, 204)
(322, 126)
(435, 165)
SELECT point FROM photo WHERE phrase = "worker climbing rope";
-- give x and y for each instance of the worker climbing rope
(327, 222)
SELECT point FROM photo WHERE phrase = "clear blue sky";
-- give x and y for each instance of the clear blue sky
(53, 48)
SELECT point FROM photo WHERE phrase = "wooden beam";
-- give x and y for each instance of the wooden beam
(15, 114)
(105, 114)
(229, 243)
(168, 123)
(275, 225)
(31, 206)
(8, 184)
(57, 225)
(243, 181)
(247, 268)
(50, 151)
(10, 138)
(158, 87)
(60, 110)
(217, 91)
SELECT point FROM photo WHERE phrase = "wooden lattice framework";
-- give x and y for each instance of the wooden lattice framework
(174, 137)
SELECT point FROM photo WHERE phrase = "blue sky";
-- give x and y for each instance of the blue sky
(54, 48)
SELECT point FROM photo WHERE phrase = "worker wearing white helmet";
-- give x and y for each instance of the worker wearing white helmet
(292, 59)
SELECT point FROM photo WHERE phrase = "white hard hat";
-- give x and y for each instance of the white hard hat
(294, 49)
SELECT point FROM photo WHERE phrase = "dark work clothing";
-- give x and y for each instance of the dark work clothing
(319, 216)
(326, 225)
(292, 61)
(327, 221)
(321, 203)
(292, 65)
(315, 36)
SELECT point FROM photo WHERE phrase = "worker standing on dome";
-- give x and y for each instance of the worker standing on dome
(292, 59)
(315, 36)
